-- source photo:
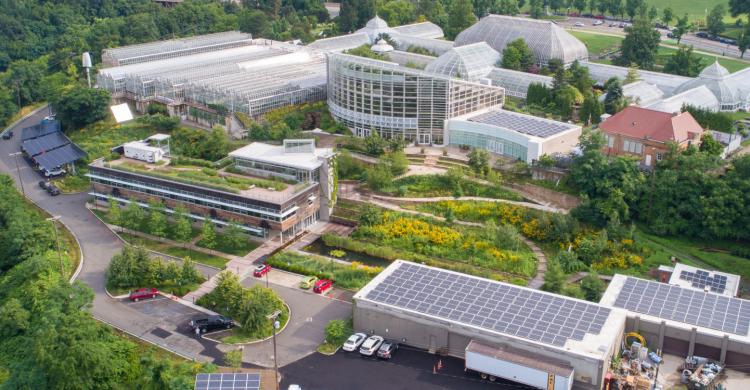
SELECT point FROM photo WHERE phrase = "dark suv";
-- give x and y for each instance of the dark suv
(49, 187)
(211, 323)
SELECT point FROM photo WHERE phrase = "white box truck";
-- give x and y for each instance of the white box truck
(518, 366)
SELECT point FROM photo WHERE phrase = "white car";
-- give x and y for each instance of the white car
(598, 23)
(354, 341)
(371, 345)
(578, 24)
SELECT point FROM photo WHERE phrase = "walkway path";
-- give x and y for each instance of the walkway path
(541, 264)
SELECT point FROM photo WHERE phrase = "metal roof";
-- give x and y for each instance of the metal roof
(52, 159)
(546, 39)
(526, 124)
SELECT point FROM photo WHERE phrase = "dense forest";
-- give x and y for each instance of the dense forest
(48, 339)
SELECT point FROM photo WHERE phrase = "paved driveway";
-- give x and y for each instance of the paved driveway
(306, 328)
(407, 370)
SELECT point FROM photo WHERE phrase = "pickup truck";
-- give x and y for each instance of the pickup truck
(211, 323)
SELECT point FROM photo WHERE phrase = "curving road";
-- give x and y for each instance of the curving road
(161, 321)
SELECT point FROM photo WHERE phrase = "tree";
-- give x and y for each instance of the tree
(593, 6)
(536, 10)
(710, 146)
(254, 22)
(614, 101)
(460, 17)
(208, 234)
(737, 7)
(379, 176)
(479, 161)
(566, 98)
(397, 162)
(681, 28)
(640, 45)
(183, 229)
(374, 144)
(113, 213)
(632, 75)
(397, 12)
(615, 7)
(81, 106)
(592, 287)
(591, 109)
(348, 20)
(233, 359)
(233, 235)
(538, 94)
(157, 222)
(580, 5)
(554, 278)
(743, 41)
(684, 63)
(653, 13)
(370, 215)
(715, 20)
(132, 216)
(632, 6)
(517, 55)
(337, 331)
(667, 15)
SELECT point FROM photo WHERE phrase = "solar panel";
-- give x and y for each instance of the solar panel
(59, 157)
(490, 305)
(34, 146)
(227, 381)
(702, 279)
(681, 304)
(40, 129)
(525, 124)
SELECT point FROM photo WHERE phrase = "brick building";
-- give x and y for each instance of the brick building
(647, 133)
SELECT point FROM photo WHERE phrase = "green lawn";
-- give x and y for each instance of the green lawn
(731, 65)
(223, 246)
(696, 9)
(236, 335)
(73, 183)
(598, 44)
(163, 247)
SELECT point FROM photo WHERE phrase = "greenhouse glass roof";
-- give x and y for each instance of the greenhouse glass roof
(666, 82)
(641, 93)
(174, 48)
(516, 83)
(470, 62)
(698, 97)
(344, 42)
(546, 39)
(715, 78)
(437, 46)
(420, 30)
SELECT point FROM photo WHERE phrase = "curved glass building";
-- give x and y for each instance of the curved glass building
(398, 101)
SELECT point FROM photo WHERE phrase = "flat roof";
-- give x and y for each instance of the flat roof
(274, 154)
(680, 307)
(701, 279)
(535, 317)
(522, 123)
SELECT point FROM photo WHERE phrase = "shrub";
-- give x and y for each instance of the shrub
(337, 331)
(135, 268)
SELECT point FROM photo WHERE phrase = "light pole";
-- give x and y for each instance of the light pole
(18, 171)
(275, 324)
(57, 243)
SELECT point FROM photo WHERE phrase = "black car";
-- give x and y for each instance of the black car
(387, 349)
(49, 187)
(702, 35)
(211, 323)
(8, 134)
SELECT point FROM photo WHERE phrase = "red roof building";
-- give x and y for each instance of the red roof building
(646, 133)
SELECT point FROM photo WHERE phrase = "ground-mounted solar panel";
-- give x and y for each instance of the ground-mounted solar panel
(731, 315)
(521, 123)
(227, 381)
(494, 306)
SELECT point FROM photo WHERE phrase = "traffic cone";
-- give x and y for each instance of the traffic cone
(434, 371)
(440, 364)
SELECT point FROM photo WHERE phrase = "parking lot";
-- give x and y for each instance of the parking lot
(408, 369)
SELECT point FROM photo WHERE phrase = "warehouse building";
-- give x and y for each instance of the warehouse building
(683, 320)
(532, 335)
(546, 39)
(304, 198)
(511, 134)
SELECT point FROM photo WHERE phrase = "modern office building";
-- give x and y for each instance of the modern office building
(399, 101)
(684, 321)
(546, 39)
(526, 330)
(305, 196)
(511, 134)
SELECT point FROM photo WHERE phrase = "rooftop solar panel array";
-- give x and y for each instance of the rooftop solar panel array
(34, 146)
(521, 123)
(490, 305)
(681, 304)
(702, 279)
(227, 381)
(39, 130)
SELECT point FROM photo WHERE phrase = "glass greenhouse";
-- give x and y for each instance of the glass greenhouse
(470, 62)
(699, 96)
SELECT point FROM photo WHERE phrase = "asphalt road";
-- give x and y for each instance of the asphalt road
(408, 369)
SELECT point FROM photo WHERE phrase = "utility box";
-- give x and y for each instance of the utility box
(519, 366)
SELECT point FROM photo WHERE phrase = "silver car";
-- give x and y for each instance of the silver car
(354, 341)
(370, 346)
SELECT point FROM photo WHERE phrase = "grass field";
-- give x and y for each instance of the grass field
(600, 45)
(696, 9)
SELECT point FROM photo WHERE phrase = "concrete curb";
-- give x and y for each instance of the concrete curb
(14, 124)
(80, 253)
(328, 354)
(261, 340)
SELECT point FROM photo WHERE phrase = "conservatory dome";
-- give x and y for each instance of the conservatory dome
(470, 62)
(715, 78)
(381, 46)
(546, 39)
(375, 28)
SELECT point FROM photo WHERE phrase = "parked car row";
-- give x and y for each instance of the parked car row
(318, 285)
(369, 346)
(705, 35)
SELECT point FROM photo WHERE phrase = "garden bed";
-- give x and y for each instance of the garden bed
(352, 277)
(225, 247)
(425, 186)
(237, 336)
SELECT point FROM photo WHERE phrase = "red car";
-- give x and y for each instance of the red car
(143, 293)
(322, 285)
(261, 270)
